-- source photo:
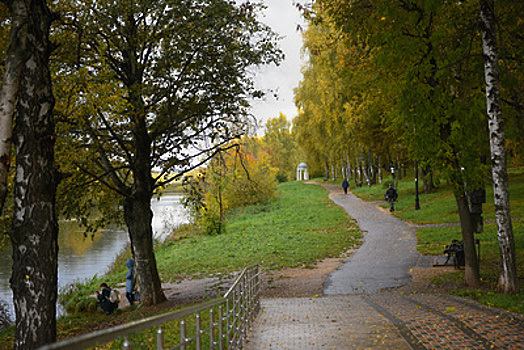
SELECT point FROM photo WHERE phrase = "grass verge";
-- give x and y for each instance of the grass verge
(300, 228)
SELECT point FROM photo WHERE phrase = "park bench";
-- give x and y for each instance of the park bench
(455, 252)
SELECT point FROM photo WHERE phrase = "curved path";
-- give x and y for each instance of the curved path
(356, 314)
(384, 259)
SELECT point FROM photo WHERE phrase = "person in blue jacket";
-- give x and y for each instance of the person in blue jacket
(130, 280)
(345, 185)
(391, 197)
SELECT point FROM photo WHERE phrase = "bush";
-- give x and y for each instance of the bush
(91, 305)
(230, 181)
(281, 177)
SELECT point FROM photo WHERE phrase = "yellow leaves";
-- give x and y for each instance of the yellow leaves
(450, 309)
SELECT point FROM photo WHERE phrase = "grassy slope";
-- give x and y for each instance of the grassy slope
(300, 228)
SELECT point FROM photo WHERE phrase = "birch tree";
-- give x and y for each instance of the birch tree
(34, 232)
(13, 61)
(508, 281)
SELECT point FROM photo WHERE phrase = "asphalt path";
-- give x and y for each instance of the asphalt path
(385, 258)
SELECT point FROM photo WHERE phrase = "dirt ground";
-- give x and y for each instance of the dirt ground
(300, 282)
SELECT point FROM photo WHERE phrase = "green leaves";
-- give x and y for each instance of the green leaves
(156, 83)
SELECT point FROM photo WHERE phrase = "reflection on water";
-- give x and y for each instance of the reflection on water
(80, 257)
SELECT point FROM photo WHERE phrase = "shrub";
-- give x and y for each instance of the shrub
(231, 180)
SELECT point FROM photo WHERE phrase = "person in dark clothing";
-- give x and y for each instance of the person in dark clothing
(391, 196)
(130, 281)
(345, 185)
(103, 299)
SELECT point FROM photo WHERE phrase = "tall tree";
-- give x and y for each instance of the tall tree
(34, 229)
(429, 62)
(173, 84)
(428, 75)
(281, 147)
(508, 281)
(13, 61)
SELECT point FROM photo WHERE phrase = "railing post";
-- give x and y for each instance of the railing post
(198, 333)
(211, 329)
(257, 289)
(126, 345)
(183, 335)
(243, 295)
(228, 321)
(159, 339)
(221, 327)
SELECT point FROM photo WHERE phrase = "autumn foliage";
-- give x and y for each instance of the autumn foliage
(235, 178)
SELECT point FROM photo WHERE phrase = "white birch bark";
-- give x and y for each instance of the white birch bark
(508, 282)
(9, 89)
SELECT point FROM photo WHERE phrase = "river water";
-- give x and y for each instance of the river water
(80, 257)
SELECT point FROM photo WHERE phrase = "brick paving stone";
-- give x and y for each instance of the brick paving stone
(341, 322)
(445, 322)
(503, 329)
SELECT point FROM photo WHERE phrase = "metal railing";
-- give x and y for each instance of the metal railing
(219, 324)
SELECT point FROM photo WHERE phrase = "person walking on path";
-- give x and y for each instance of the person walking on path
(345, 185)
(391, 197)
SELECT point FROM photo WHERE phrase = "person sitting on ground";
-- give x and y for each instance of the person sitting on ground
(391, 196)
(103, 299)
(130, 281)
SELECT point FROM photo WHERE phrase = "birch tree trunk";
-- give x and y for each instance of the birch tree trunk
(508, 282)
(34, 231)
(8, 91)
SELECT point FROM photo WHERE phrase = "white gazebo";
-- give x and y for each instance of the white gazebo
(302, 173)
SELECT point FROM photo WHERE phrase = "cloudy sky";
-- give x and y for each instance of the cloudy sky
(283, 17)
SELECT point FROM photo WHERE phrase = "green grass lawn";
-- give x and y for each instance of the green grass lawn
(302, 227)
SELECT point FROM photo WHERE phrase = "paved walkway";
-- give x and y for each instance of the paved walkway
(383, 261)
(357, 313)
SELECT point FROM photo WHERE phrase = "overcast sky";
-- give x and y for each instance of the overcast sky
(283, 17)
